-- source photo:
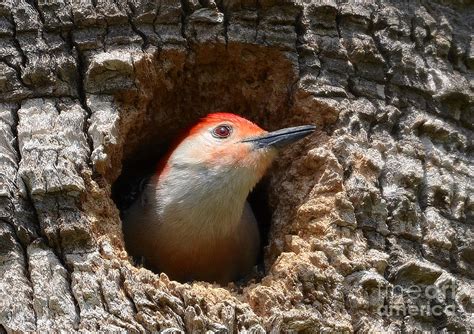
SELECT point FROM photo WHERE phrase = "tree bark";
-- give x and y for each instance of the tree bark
(371, 219)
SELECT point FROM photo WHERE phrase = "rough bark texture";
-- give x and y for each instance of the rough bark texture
(381, 197)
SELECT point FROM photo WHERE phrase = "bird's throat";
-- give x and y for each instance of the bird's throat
(204, 203)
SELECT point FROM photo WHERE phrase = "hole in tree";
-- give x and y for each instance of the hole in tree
(177, 89)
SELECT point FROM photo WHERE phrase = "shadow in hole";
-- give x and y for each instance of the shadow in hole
(129, 185)
(258, 200)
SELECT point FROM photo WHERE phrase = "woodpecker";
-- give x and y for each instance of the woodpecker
(192, 220)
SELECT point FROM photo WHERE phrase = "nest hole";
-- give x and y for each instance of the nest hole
(175, 89)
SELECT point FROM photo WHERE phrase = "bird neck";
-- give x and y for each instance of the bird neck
(203, 200)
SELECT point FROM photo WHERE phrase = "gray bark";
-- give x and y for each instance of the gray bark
(380, 198)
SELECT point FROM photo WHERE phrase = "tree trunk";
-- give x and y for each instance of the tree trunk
(369, 221)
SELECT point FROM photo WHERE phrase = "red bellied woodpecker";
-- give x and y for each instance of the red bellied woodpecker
(192, 220)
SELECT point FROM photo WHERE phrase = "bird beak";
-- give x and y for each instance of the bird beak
(282, 137)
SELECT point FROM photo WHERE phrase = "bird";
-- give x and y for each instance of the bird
(192, 220)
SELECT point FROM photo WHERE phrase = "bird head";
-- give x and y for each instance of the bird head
(227, 144)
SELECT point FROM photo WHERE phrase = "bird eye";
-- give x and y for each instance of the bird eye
(222, 131)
